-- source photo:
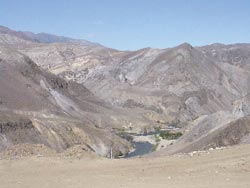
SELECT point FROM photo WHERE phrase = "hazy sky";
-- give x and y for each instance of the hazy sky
(133, 24)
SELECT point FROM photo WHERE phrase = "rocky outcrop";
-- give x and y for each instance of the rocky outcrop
(17, 129)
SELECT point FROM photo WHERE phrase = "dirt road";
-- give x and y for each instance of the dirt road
(227, 168)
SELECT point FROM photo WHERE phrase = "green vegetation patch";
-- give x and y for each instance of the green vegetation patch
(155, 147)
(170, 135)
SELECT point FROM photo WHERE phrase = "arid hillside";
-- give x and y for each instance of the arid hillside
(201, 91)
(38, 107)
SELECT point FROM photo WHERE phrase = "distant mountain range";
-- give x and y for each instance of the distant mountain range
(45, 37)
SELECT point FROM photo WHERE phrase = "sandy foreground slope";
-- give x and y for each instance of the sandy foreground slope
(228, 167)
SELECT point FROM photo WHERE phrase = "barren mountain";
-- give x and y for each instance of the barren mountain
(202, 90)
(39, 108)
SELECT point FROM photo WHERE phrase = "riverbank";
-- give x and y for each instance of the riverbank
(145, 144)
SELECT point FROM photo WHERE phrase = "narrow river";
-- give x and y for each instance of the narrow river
(141, 148)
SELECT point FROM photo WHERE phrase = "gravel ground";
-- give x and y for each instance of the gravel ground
(224, 168)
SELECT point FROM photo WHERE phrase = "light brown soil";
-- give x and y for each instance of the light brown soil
(226, 168)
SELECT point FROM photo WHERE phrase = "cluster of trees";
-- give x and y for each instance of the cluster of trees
(170, 135)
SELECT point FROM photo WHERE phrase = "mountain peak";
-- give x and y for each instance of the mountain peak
(185, 45)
